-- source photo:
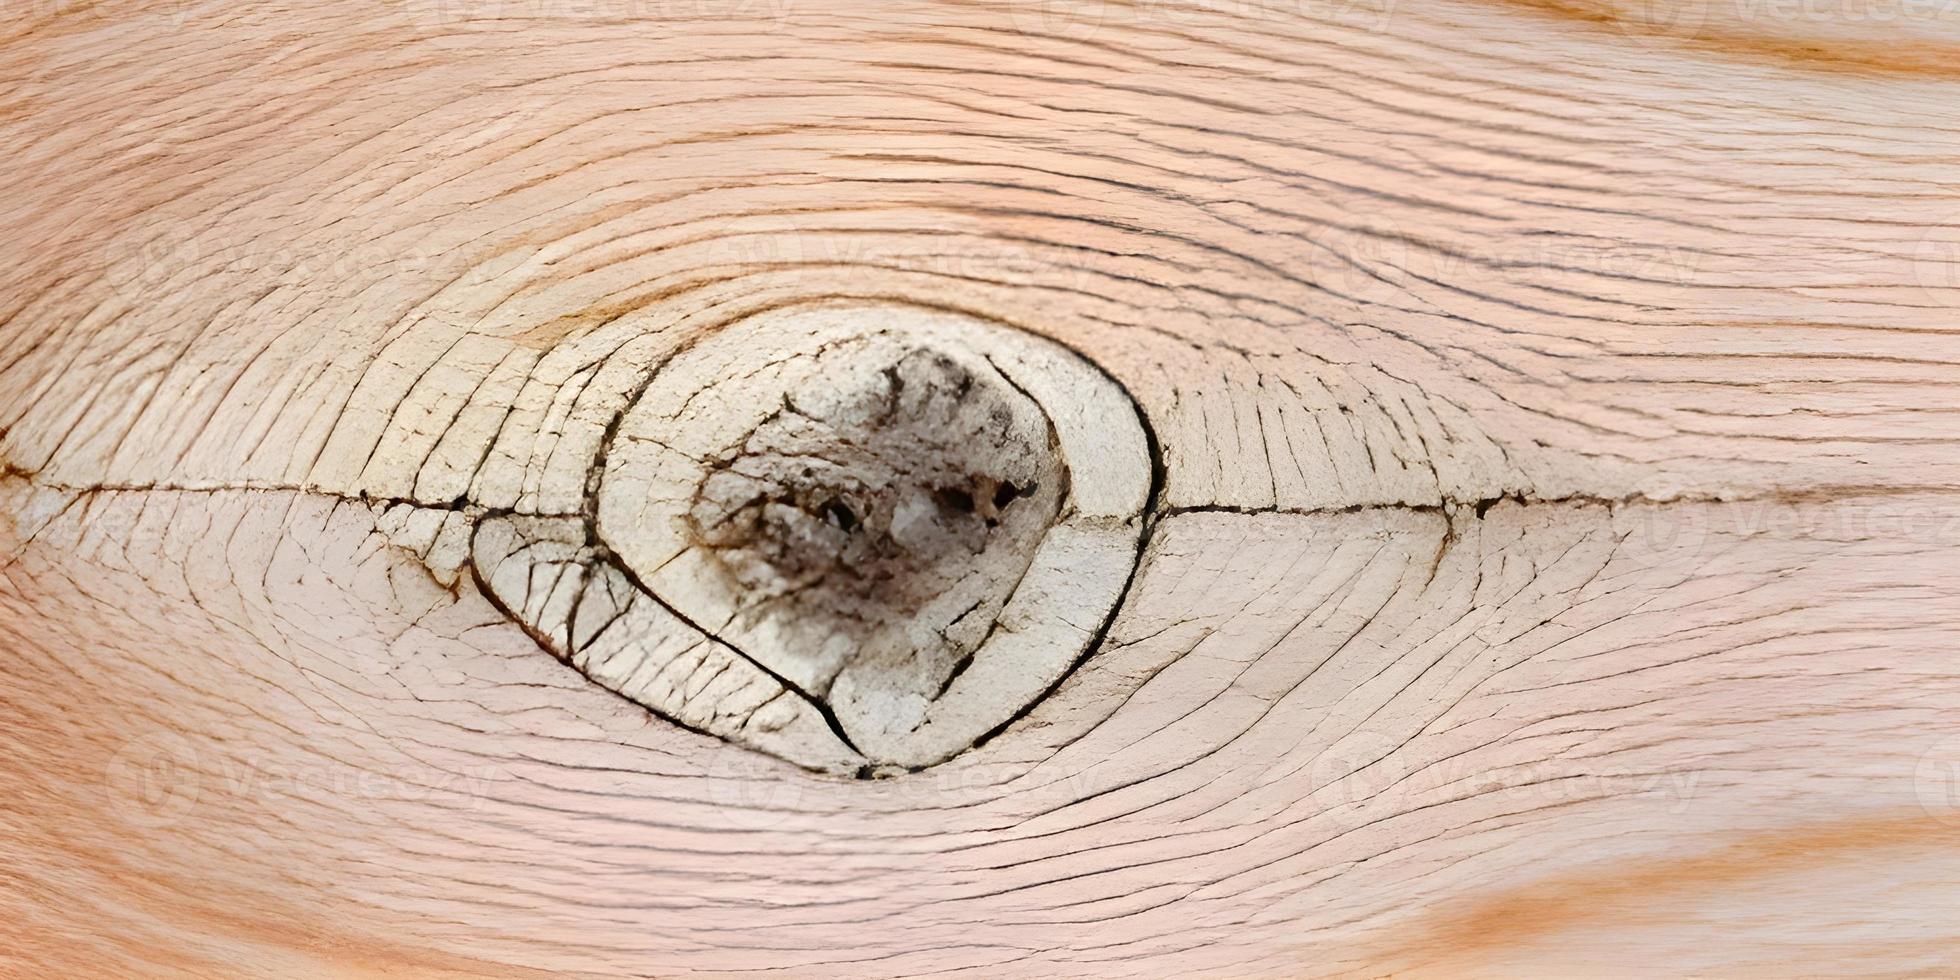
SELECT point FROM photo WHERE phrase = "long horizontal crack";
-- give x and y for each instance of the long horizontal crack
(1808, 495)
(1818, 494)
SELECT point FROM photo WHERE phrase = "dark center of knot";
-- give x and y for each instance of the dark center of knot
(858, 507)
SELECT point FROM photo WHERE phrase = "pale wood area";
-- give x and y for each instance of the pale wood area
(1550, 569)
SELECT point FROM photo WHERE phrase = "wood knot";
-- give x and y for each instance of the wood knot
(884, 510)
(915, 521)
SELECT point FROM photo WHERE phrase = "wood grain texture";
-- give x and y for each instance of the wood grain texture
(1551, 572)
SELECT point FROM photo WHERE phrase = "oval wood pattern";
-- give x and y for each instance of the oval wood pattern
(1550, 571)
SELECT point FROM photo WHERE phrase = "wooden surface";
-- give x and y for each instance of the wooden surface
(1551, 572)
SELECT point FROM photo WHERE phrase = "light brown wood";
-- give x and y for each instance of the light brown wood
(1545, 564)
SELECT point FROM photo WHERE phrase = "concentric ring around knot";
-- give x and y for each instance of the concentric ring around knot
(857, 537)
